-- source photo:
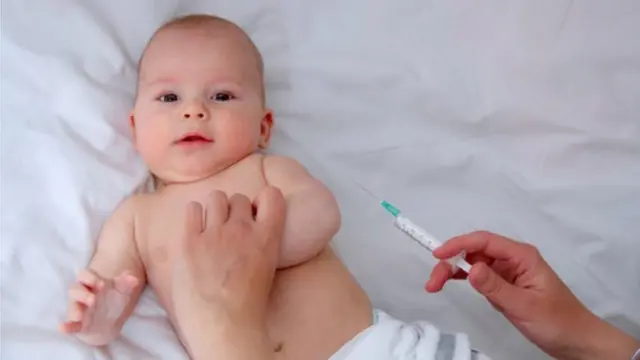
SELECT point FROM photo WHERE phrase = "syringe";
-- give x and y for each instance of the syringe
(423, 238)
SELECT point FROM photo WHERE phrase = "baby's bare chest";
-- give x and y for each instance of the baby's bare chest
(161, 221)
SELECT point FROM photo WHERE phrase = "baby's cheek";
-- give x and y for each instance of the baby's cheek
(239, 136)
(151, 144)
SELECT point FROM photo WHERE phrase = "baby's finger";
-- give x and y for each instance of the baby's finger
(71, 327)
(82, 295)
(76, 312)
(90, 279)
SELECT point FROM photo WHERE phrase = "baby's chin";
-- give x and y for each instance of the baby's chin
(190, 169)
(186, 175)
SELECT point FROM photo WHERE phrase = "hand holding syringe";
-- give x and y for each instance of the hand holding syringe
(423, 238)
(527, 279)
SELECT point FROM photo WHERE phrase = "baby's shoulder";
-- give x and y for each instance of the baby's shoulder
(284, 171)
(272, 164)
(281, 163)
(131, 206)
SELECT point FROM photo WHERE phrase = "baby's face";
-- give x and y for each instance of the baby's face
(200, 103)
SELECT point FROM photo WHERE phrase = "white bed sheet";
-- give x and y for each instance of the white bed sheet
(517, 117)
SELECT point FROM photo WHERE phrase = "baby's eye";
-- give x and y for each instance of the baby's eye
(171, 97)
(223, 96)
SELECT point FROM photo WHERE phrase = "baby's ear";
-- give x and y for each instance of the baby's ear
(132, 125)
(265, 129)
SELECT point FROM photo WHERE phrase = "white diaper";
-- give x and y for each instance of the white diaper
(391, 339)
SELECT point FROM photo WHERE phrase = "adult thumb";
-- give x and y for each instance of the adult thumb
(503, 295)
(270, 210)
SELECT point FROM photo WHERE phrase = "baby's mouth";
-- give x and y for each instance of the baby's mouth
(194, 138)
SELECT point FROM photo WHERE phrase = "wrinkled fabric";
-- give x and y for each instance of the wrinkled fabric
(515, 117)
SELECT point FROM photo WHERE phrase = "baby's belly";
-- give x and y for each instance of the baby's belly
(314, 308)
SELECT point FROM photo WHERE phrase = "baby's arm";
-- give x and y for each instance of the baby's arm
(108, 290)
(313, 216)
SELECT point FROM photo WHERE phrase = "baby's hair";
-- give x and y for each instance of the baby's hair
(198, 20)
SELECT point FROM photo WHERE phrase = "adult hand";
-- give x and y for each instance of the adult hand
(223, 273)
(520, 284)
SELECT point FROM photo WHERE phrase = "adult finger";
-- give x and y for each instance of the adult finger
(497, 290)
(193, 220)
(270, 211)
(439, 276)
(479, 257)
(489, 244)
(217, 209)
(443, 271)
(240, 208)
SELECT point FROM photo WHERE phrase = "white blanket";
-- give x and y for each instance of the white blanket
(516, 117)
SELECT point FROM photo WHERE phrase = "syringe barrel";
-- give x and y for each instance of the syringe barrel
(417, 233)
(429, 242)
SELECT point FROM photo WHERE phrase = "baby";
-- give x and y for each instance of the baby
(200, 123)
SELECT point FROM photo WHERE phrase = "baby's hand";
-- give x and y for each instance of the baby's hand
(95, 306)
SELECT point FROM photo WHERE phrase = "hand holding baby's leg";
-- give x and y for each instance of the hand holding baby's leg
(96, 304)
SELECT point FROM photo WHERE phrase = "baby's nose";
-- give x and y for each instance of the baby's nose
(196, 111)
(189, 115)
